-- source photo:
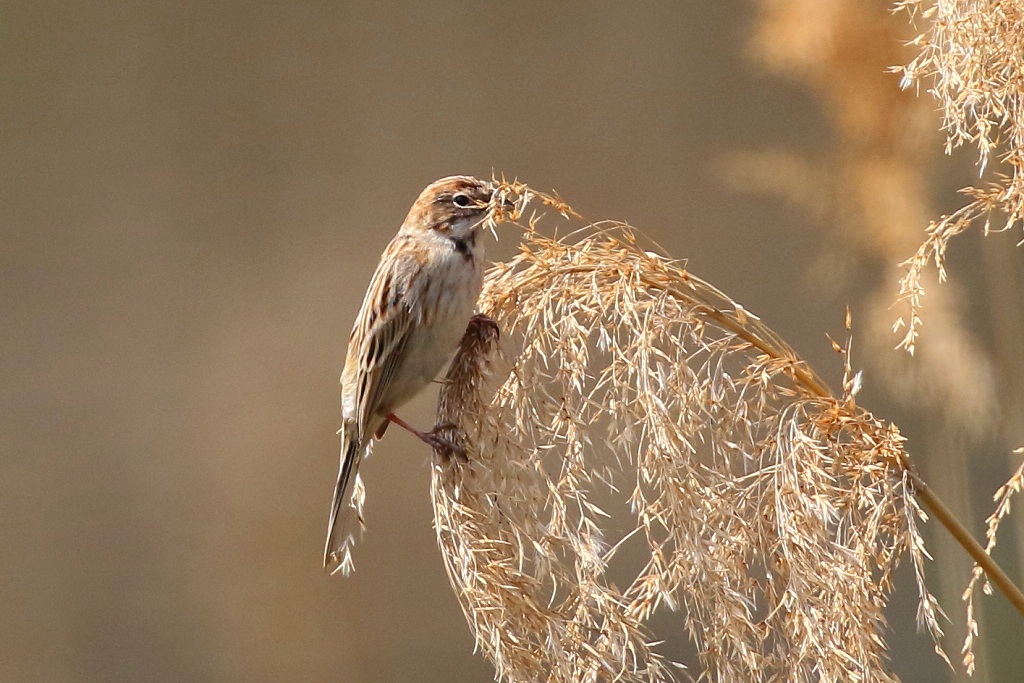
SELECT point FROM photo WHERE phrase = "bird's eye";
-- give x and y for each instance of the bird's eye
(461, 200)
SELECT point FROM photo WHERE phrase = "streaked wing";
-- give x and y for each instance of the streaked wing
(380, 338)
(376, 349)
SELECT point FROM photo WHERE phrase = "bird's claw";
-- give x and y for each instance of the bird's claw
(440, 439)
(484, 325)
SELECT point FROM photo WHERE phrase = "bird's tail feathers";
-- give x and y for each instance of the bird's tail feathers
(345, 526)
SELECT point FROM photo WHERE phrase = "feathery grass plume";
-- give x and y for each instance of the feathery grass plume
(971, 57)
(1002, 499)
(871, 191)
(628, 408)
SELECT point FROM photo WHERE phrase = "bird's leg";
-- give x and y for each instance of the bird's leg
(432, 438)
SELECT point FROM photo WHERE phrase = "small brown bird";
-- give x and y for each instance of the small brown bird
(417, 306)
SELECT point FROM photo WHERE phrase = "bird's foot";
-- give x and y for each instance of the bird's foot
(439, 438)
(484, 324)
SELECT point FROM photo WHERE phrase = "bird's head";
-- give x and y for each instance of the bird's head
(455, 206)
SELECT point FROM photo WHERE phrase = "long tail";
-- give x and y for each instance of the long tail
(345, 521)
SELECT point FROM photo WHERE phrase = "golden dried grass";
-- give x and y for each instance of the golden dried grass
(870, 190)
(877, 197)
(971, 57)
(769, 512)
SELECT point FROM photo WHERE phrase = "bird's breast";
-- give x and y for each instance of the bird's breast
(445, 298)
(452, 280)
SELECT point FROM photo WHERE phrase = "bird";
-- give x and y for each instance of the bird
(420, 299)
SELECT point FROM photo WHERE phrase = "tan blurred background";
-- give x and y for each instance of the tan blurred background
(193, 197)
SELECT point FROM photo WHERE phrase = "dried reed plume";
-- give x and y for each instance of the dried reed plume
(971, 59)
(627, 405)
(871, 190)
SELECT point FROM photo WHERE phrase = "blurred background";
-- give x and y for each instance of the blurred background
(195, 194)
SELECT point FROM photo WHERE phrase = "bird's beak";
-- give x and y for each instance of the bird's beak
(506, 204)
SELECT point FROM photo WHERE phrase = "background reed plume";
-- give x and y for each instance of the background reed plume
(873, 192)
(971, 56)
(626, 403)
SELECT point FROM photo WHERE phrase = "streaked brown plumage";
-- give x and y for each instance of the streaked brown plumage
(416, 308)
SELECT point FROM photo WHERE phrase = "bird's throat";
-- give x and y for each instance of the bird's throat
(465, 245)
